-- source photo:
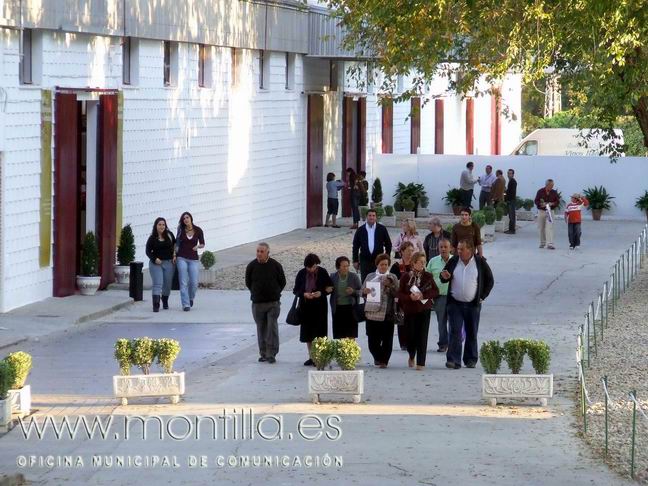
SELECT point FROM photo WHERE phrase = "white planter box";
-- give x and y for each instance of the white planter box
(524, 215)
(488, 232)
(517, 386)
(153, 385)
(122, 273)
(388, 221)
(206, 277)
(338, 382)
(21, 400)
(403, 215)
(5, 415)
(88, 285)
(502, 225)
(422, 213)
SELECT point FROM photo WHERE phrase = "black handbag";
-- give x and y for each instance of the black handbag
(399, 315)
(359, 312)
(294, 318)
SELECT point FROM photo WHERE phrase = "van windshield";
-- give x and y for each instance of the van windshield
(530, 147)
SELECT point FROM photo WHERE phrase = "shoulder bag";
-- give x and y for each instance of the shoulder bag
(294, 318)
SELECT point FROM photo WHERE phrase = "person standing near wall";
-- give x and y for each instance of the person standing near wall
(510, 198)
(467, 184)
(160, 248)
(332, 202)
(546, 201)
(265, 278)
(354, 188)
(486, 182)
(189, 240)
(497, 191)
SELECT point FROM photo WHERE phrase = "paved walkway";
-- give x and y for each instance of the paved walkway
(427, 427)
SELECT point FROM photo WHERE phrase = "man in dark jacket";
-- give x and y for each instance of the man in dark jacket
(265, 278)
(370, 240)
(471, 280)
(431, 243)
(510, 197)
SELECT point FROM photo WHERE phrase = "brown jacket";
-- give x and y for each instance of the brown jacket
(427, 287)
(497, 189)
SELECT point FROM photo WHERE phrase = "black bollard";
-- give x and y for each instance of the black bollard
(136, 284)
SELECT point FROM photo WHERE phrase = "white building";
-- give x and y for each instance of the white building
(118, 111)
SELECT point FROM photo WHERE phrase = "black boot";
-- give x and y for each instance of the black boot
(165, 301)
(156, 303)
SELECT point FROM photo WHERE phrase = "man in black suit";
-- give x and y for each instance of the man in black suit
(370, 240)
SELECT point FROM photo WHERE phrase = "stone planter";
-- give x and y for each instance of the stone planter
(5, 415)
(170, 385)
(524, 215)
(500, 227)
(422, 213)
(206, 277)
(596, 214)
(403, 215)
(456, 210)
(122, 273)
(338, 382)
(88, 285)
(517, 386)
(388, 220)
(488, 232)
(20, 401)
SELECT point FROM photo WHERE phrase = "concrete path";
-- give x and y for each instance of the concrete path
(427, 427)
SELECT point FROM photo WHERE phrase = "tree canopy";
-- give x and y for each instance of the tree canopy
(597, 48)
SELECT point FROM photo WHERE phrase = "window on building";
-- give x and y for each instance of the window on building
(290, 71)
(26, 59)
(202, 55)
(170, 63)
(126, 60)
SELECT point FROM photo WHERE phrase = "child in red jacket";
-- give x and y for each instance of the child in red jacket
(573, 218)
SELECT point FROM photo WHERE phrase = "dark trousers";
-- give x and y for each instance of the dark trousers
(574, 233)
(402, 336)
(418, 326)
(466, 198)
(511, 215)
(484, 198)
(380, 335)
(265, 315)
(355, 209)
(366, 267)
(441, 311)
(463, 314)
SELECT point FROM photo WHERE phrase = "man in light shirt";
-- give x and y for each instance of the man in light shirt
(435, 266)
(471, 281)
(486, 182)
(466, 185)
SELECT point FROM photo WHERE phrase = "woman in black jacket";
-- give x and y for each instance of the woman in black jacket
(160, 248)
(312, 285)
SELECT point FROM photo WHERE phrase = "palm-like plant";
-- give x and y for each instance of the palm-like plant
(598, 197)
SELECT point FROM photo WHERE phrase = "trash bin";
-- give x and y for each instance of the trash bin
(136, 284)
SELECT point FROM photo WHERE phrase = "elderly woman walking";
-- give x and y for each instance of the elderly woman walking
(312, 285)
(380, 315)
(344, 298)
(416, 296)
(160, 248)
(398, 269)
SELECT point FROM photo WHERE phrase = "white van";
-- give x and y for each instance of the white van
(562, 141)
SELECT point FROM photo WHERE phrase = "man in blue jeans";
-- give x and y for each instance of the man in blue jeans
(471, 281)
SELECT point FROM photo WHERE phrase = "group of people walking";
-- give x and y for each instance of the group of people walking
(169, 253)
(386, 294)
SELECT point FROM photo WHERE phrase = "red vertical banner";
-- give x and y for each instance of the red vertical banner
(107, 187)
(362, 135)
(387, 126)
(315, 160)
(348, 158)
(496, 124)
(438, 126)
(415, 124)
(470, 126)
(66, 163)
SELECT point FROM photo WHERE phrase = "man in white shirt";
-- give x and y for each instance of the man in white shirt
(471, 281)
(486, 183)
(370, 240)
(466, 185)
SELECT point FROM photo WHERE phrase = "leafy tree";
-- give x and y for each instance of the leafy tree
(596, 48)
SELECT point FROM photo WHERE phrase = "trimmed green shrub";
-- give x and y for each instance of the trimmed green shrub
(408, 204)
(540, 356)
(143, 353)
(389, 210)
(519, 202)
(363, 211)
(490, 356)
(126, 247)
(208, 259)
(322, 352)
(528, 204)
(123, 355)
(167, 351)
(489, 215)
(380, 212)
(89, 256)
(479, 218)
(376, 192)
(499, 212)
(7, 377)
(448, 227)
(598, 198)
(514, 351)
(21, 363)
(413, 191)
(347, 353)
(453, 197)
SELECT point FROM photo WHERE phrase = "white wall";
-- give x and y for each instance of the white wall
(626, 179)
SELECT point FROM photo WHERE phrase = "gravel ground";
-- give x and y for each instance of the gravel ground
(233, 278)
(622, 357)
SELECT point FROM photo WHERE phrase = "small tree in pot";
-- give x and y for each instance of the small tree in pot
(89, 281)
(7, 377)
(642, 203)
(490, 356)
(599, 199)
(167, 351)
(347, 353)
(124, 355)
(376, 193)
(514, 351)
(322, 352)
(125, 255)
(143, 353)
(454, 199)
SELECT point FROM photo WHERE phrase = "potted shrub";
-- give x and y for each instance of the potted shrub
(6, 378)
(501, 217)
(88, 282)
(125, 255)
(453, 199)
(488, 232)
(516, 385)
(20, 393)
(376, 193)
(642, 203)
(363, 212)
(599, 199)
(142, 352)
(347, 381)
(413, 191)
(389, 219)
(207, 276)
(422, 210)
(526, 211)
(478, 218)
(404, 210)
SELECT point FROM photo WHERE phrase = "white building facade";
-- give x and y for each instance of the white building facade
(119, 112)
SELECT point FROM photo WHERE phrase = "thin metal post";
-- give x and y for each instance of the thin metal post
(605, 380)
(588, 338)
(601, 316)
(606, 290)
(594, 325)
(613, 288)
(623, 270)
(634, 431)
